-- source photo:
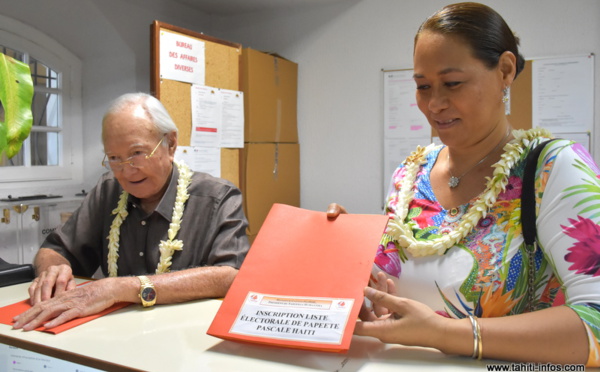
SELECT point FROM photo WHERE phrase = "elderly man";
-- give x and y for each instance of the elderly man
(160, 232)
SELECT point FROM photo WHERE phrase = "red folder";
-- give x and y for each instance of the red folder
(301, 254)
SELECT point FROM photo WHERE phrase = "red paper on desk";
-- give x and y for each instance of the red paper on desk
(7, 313)
(301, 284)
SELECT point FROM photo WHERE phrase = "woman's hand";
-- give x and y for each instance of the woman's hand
(401, 321)
(334, 210)
(51, 283)
(377, 311)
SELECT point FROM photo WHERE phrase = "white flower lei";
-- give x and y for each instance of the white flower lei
(167, 248)
(402, 231)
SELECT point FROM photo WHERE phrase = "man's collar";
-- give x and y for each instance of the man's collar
(165, 206)
(167, 202)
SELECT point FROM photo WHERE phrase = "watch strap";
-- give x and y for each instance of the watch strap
(146, 285)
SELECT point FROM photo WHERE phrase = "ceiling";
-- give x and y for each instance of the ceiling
(233, 7)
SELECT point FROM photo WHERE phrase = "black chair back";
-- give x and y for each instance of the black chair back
(14, 274)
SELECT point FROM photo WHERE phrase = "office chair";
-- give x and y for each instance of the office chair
(14, 274)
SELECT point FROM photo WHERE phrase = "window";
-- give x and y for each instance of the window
(52, 152)
(42, 147)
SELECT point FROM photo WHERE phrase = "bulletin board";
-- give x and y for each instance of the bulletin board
(560, 88)
(222, 70)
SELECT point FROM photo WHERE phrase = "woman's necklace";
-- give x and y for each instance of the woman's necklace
(454, 181)
(166, 248)
(402, 232)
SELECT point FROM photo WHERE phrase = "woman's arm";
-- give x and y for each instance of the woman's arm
(554, 335)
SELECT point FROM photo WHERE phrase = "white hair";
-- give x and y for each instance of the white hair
(157, 113)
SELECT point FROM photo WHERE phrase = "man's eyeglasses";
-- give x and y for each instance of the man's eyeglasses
(137, 160)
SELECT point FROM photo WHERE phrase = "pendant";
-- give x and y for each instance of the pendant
(453, 182)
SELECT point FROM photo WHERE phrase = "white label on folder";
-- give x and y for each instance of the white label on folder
(308, 319)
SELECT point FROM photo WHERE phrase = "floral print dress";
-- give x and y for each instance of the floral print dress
(486, 273)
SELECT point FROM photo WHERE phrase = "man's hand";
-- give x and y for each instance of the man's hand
(88, 299)
(51, 283)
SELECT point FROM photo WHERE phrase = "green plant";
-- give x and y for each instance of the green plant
(16, 96)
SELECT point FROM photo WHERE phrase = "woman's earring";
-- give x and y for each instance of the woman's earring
(505, 95)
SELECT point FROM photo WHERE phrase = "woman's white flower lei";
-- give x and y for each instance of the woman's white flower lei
(167, 248)
(402, 231)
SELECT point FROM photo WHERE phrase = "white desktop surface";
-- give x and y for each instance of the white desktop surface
(173, 338)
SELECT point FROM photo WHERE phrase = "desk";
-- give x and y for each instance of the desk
(173, 338)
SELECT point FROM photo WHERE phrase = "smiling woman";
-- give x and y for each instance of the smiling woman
(452, 270)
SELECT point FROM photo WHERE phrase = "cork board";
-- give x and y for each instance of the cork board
(222, 64)
(520, 116)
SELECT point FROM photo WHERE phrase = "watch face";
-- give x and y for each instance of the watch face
(148, 294)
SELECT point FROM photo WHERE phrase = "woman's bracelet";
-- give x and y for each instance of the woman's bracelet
(475, 337)
(477, 342)
(480, 347)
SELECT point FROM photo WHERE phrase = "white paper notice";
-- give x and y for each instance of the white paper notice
(201, 159)
(308, 319)
(405, 126)
(232, 125)
(206, 116)
(563, 94)
(402, 117)
(181, 58)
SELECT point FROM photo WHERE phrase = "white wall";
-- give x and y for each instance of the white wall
(341, 49)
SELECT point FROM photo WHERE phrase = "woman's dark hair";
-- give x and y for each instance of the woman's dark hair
(481, 27)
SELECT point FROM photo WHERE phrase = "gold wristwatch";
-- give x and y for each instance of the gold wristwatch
(147, 291)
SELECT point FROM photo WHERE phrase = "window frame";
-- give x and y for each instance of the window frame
(23, 38)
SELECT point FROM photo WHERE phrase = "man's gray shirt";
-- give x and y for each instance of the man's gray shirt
(213, 228)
